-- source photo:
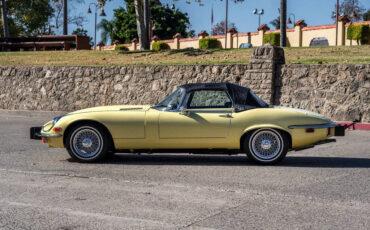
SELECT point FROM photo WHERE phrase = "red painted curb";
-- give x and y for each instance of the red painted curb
(355, 126)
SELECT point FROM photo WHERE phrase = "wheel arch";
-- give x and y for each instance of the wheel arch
(90, 122)
(254, 128)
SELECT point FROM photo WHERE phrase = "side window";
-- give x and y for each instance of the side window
(209, 99)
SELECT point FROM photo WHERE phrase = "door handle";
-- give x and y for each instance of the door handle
(228, 115)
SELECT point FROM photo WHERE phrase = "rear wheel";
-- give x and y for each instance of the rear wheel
(266, 146)
(87, 143)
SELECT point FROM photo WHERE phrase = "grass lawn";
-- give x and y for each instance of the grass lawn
(355, 54)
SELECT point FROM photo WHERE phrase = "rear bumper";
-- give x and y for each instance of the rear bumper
(338, 129)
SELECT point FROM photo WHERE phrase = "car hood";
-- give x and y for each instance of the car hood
(304, 112)
(112, 108)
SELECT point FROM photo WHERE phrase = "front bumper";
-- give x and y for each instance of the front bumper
(35, 134)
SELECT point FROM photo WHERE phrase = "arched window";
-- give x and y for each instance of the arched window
(320, 41)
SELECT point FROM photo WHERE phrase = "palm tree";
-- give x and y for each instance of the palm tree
(276, 23)
(107, 29)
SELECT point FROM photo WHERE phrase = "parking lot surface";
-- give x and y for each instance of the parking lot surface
(327, 187)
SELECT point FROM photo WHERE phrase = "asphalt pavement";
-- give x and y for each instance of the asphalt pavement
(326, 187)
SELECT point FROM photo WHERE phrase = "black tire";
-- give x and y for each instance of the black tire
(266, 146)
(87, 143)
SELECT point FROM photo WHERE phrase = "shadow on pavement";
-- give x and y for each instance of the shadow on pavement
(289, 161)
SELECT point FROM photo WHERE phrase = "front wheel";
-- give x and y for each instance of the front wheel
(87, 143)
(266, 146)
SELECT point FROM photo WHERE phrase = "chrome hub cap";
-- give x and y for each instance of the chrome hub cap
(86, 142)
(266, 145)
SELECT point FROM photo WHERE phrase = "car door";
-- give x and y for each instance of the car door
(208, 114)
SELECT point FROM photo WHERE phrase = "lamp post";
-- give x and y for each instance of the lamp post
(102, 14)
(259, 13)
(289, 21)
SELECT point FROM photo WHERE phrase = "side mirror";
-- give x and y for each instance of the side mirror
(183, 110)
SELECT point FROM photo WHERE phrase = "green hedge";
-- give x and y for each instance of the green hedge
(272, 38)
(158, 46)
(359, 33)
(209, 43)
(121, 48)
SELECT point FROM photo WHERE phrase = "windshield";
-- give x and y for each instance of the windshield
(171, 102)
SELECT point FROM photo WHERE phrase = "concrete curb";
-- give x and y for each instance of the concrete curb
(355, 126)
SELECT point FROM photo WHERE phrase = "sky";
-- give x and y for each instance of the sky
(314, 12)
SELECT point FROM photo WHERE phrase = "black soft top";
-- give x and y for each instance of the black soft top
(242, 97)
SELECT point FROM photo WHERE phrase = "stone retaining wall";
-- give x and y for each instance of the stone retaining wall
(71, 88)
(341, 92)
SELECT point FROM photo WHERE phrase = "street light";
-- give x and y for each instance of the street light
(289, 21)
(102, 14)
(259, 13)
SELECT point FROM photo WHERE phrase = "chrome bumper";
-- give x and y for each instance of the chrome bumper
(329, 125)
(339, 130)
(35, 134)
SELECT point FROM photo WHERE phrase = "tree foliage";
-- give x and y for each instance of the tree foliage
(366, 16)
(165, 23)
(219, 28)
(158, 46)
(106, 28)
(272, 38)
(346, 7)
(28, 17)
(276, 23)
(360, 33)
(209, 43)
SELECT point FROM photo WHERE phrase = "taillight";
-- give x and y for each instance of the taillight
(43, 139)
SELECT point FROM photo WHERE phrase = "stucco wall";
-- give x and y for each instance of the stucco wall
(296, 37)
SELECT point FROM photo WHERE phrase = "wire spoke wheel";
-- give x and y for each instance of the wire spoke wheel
(87, 143)
(266, 146)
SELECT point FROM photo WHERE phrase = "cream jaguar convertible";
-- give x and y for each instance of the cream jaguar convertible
(196, 118)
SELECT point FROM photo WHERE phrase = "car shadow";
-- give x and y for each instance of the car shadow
(239, 160)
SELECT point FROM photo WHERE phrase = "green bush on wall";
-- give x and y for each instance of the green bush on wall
(209, 43)
(359, 33)
(272, 38)
(121, 48)
(158, 46)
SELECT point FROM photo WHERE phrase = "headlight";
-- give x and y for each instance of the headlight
(48, 126)
(56, 119)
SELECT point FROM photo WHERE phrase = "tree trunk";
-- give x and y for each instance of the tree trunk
(4, 19)
(142, 30)
(283, 23)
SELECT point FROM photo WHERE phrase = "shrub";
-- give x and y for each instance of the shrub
(359, 33)
(272, 38)
(158, 46)
(209, 43)
(121, 48)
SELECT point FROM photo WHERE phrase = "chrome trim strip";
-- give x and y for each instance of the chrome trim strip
(328, 125)
(208, 111)
(49, 135)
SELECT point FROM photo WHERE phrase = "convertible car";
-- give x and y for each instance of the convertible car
(196, 118)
